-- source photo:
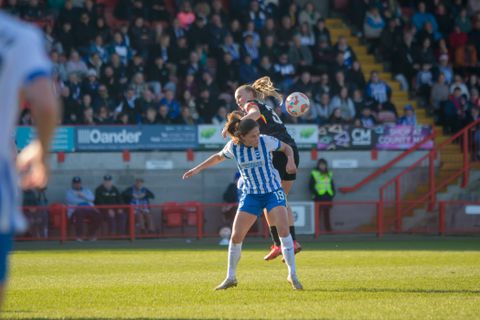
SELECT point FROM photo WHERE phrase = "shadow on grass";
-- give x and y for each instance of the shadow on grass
(397, 290)
(336, 243)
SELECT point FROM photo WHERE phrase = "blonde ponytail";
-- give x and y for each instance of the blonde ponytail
(262, 88)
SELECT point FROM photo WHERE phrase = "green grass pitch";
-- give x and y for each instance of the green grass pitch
(344, 278)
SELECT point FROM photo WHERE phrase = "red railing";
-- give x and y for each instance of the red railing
(195, 219)
(406, 182)
(388, 165)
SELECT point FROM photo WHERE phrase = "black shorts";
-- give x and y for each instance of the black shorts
(279, 160)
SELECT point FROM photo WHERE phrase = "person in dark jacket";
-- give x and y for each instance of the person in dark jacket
(322, 189)
(107, 194)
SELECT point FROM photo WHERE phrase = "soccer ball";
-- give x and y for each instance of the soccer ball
(297, 104)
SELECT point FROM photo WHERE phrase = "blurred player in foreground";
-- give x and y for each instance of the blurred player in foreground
(25, 72)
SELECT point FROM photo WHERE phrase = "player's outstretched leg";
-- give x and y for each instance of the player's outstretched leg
(234, 253)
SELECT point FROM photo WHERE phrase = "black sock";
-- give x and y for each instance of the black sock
(292, 233)
(274, 235)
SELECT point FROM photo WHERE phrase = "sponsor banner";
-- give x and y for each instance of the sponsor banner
(304, 216)
(403, 137)
(63, 139)
(159, 137)
(305, 136)
(387, 137)
(210, 136)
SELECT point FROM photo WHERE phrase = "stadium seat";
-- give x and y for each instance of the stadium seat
(172, 215)
(55, 211)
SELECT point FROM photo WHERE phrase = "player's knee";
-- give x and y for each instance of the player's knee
(236, 238)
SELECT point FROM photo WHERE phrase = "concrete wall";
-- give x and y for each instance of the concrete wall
(162, 172)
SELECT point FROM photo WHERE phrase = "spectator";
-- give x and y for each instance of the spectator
(355, 76)
(217, 32)
(102, 98)
(304, 83)
(390, 39)
(186, 16)
(76, 65)
(145, 102)
(358, 101)
(141, 37)
(151, 116)
(198, 33)
(220, 117)
(378, 89)
(322, 33)
(129, 107)
(172, 104)
(443, 19)
(373, 27)
(463, 22)
(35, 208)
(438, 95)
(322, 189)
(424, 54)
(307, 37)
(299, 55)
(322, 109)
(72, 112)
(80, 201)
(459, 83)
(84, 33)
(120, 48)
(336, 117)
(366, 118)
(107, 195)
(139, 196)
(247, 72)
(230, 47)
(269, 48)
(453, 111)
(445, 68)
(285, 72)
(285, 33)
(158, 11)
(339, 82)
(421, 17)
(343, 102)
(206, 106)
(256, 15)
(423, 82)
(103, 116)
(348, 55)
(249, 48)
(158, 75)
(409, 119)
(186, 117)
(309, 15)
(457, 38)
(163, 117)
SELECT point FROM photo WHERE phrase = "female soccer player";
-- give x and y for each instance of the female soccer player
(250, 99)
(261, 190)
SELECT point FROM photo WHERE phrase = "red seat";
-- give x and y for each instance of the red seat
(172, 215)
(55, 211)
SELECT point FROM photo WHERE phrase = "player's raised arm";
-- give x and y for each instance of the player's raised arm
(210, 162)
(285, 148)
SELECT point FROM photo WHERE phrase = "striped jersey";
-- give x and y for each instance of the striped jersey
(22, 59)
(255, 165)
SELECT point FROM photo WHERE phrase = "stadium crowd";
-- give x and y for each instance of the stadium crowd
(433, 48)
(153, 63)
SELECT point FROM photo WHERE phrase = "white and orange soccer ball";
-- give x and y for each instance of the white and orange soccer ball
(297, 104)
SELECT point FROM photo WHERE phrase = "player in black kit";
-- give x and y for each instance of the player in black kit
(250, 99)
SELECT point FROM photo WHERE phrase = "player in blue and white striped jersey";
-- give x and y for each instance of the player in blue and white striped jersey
(25, 72)
(261, 190)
